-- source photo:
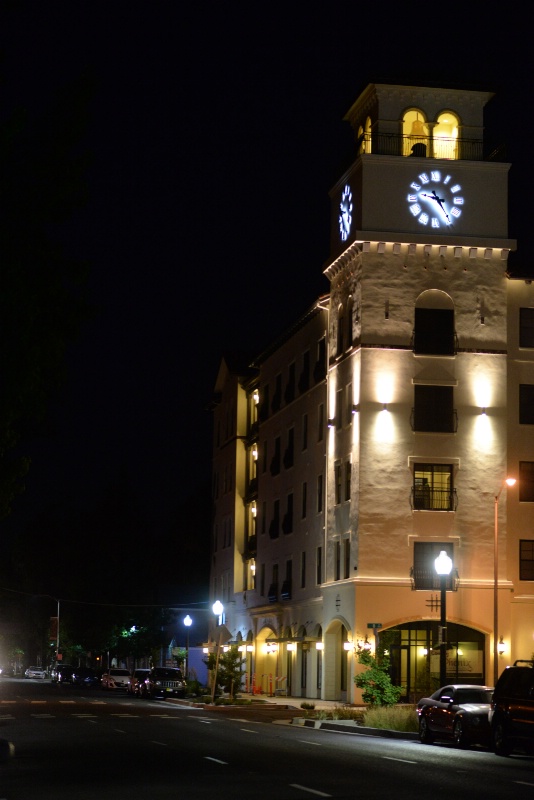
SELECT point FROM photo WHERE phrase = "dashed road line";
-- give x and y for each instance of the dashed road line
(308, 789)
(216, 760)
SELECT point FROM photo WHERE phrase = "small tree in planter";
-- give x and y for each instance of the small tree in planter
(378, 689)
(229, 670)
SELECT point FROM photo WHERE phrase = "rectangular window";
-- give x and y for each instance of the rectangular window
(264, 460)
(348, 479)
(304, 499)
(526, 559)
(433, 409)
(287, 586)
(424, 575)
(287, 522)
(526, 481)
(304, 379)
(337, 559)
(434, 331)
(289, 455)
(346, 558)
(303, 570)
(432, 487)
(277, 396)
(320, 422)
(319, 493)
(275, 461)
(526, 327)
(289, 394)
(304, 431)
(337, 482)
(319, 565)
(526, 404)
(264, 516)
(262, 580)
(274, 526)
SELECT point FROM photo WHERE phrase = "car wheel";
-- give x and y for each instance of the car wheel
(501, 744)
(459, 733)
(425, 734)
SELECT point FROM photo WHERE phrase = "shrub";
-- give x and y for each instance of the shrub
(378, 689)
(393, 718)
(307, 706)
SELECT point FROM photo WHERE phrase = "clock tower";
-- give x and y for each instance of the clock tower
(417, 370)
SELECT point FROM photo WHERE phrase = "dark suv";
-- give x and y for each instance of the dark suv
(512, 709)
(163, 682)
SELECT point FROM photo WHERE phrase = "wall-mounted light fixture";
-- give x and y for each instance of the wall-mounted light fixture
(355, 408)
(331, 423)
(250, 648)
(319, 645)
(291, 646)
(483, 412)
(256, 397)
(385, 407)
(347, 646)
(501, 647)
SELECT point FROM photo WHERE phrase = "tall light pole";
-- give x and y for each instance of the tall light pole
(218, 610)
(187, 622)
(506, 482)
(443, 566)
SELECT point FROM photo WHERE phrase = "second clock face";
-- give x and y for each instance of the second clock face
(436, 199)
(345, 213)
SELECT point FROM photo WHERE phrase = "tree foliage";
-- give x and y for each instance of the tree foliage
(229, 669)
(378, 690)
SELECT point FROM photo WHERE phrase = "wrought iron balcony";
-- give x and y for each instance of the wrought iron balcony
(394, 144)
(426, 579)
(423, 498)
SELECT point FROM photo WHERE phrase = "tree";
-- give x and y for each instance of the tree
(378, 689)
(229, 670)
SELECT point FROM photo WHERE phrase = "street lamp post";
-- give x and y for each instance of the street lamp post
(443, 566)
(218, 610)
(187, 622)
(506, 482)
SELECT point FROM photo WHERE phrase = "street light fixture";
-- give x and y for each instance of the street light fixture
(218, 610)
(443, 566)
(506, 482)
(187, 622)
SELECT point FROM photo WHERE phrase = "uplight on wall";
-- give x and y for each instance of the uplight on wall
(347, 646)
(501, 647)
(319, 646)
(291, 646)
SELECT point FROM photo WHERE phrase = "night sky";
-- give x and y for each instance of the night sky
(215, 132)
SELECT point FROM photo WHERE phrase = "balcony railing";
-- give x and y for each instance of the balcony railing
(447, 423)
(394, 144)
(423, 498)
(426, 579)
(438, 345)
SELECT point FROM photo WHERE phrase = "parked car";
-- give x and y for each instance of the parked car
(458, 712)
(163, 682)
(63, 673)
(134, 681)
(35, 672)
(512, 709)
(115, 679)
(85, 676)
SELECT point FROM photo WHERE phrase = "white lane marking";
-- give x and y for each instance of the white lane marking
(38, 702)
(403, 760)
(42, 716)
(205, 721)
(311, 791)
(93, 721)
(163, 744)
(6, 716)
(65, 702)
(84, 715)
(217, 760)
(247, 730)
(128, 716)
(524, 783)
(118, 730)
(305, 741)
(160, 716)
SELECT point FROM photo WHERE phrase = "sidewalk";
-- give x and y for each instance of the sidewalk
(294, 702)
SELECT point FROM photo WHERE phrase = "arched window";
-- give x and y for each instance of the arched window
(363, 141)
(445, 135)
(434, 324)
(415, 136)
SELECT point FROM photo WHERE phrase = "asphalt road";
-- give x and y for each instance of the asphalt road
(75, 745)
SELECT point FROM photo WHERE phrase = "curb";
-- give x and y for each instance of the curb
(351, 727)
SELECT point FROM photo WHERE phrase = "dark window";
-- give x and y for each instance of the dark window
(434, 331)
(432, 487)
(337, 558)
(433, 409)
(320, 423)
(264, 405)
(264, 516)
(526, 559)
(274, 527)
(339, 409)
(304, 499)
(304, 379)
(305, 432)
(348, 476)
(346, 558)
(319, 370)
(526, 327)
(264, 460)
(262, 580)
(340, 331)
(348, 407)
(526, 404)
(289, 394)
(337, 479)
(424, 572)
(289, 454)
(287, 522)
(277, 396)
(303, 570)
(275, 461)
(288, 582)
(526, 481)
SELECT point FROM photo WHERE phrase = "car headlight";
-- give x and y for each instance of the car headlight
(157, 683)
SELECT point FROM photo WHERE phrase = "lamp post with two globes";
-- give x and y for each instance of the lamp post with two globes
(443, 566)
(187, 622)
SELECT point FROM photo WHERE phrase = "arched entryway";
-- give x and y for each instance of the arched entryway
(414, 655)
(337, 674)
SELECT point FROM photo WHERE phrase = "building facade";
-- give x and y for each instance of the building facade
(378, 431)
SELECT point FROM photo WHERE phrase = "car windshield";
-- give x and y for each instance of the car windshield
(472, 696)
(172, 674)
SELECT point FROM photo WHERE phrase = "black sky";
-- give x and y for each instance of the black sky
(215, 133)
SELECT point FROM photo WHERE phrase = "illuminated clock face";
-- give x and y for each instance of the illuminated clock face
(345, 213)
(436, 200)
